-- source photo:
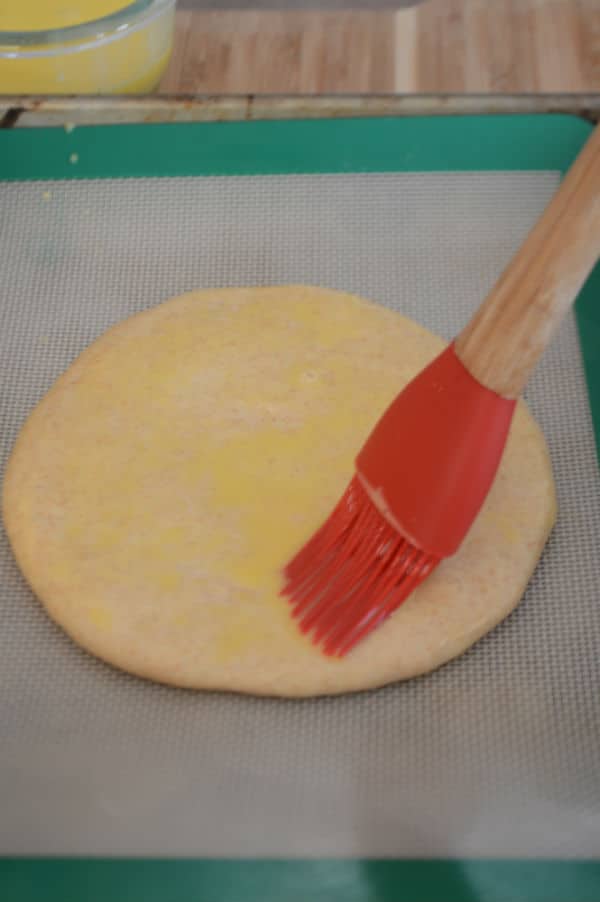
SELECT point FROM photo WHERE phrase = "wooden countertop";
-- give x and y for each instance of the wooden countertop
(498, 46)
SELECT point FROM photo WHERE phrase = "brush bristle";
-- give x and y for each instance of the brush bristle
(352, 574)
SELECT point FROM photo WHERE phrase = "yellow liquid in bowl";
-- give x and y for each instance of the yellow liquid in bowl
(40, 15)
(117, 62)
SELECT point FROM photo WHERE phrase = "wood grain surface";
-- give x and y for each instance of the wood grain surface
(513, 46)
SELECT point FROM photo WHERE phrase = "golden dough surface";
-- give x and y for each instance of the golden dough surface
(155, 493)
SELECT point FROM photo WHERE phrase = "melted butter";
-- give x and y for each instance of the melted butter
(214, 470)
(504, 527)
(38, 15)
(101, 617)
(108, 63)
(240, 635)
(509, 531)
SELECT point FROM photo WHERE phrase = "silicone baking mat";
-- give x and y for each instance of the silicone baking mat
(495, 756)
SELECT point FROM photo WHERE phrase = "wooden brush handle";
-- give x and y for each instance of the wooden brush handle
(504, 340)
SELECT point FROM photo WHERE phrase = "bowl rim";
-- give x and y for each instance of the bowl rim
(89, 33)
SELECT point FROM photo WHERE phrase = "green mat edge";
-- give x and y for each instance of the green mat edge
(427, 144)
(298, 880)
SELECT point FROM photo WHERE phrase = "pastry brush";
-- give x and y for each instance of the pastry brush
(427, 467)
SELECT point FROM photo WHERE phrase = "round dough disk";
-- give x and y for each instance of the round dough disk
(155, 493)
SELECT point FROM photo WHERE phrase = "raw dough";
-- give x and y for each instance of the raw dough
(157, 490)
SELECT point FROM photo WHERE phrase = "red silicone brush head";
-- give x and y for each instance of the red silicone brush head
(423, 475)
(352, 574)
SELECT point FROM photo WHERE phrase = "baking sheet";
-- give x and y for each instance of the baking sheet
(495, 754)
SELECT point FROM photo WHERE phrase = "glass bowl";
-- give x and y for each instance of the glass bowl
(125, 52)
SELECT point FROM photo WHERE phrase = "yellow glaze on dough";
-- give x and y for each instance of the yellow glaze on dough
(157, 490)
